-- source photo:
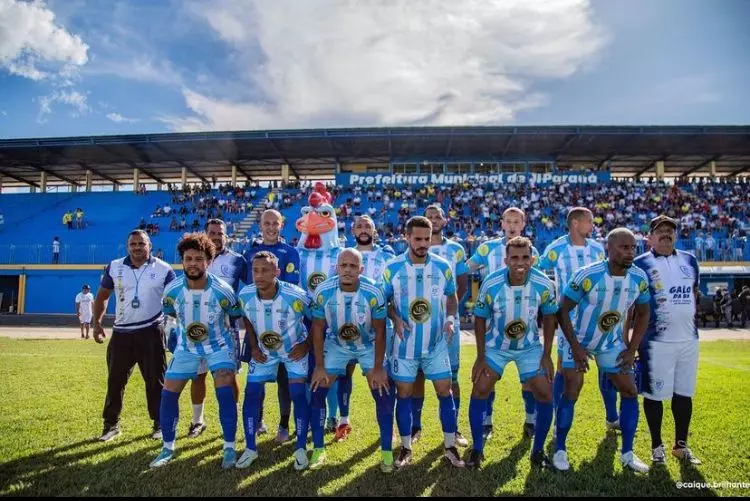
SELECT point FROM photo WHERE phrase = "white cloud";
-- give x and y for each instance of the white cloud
(73, 98)
(348, 62)
(116, 117)
(32, 45)
(140, 69)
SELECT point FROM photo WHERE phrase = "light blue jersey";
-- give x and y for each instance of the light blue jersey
(490, 256)
(349, 315)
(512, 310)
(603, 303)
(202, 315)
(374, 262)
(417, 292)
(278, 322)
(565, 258)
(317, 265)
(454, 253)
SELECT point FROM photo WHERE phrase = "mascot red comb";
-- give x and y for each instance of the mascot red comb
(318, 245)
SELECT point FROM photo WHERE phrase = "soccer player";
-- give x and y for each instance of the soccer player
(230, 267)
(271, 224)
(349, 314)
(273, 316)
(454, 253)
(510, 299)
(202, 304)
(602, 293)
(669, 351)
(565, 256)
(415, 284)
(490, 257)
(84, 310)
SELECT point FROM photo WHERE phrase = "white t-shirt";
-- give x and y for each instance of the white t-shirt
(86, 302)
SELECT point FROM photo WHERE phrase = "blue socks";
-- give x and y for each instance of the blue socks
(301, 412)
(529, 403)
(251, 412)
(384, 414)
(333, 400)
(344, 393)
(318, 416)
(544, 412)
(609, 395)
(416, 412)
(558, 387)
(227, 413)
(490, 404)
(169, 414)
(628, 422)
(477, 413)
(403, 416)
(447, 414)
(564, 421)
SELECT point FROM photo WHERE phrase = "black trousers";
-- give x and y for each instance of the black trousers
(144, 347)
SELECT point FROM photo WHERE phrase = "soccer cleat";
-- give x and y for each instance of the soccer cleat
(460, 440)
(262, 429)
(475, 459)
(387, 465)
(404, 458)
(416, 434)
(196, 429)
(487, 433)
(300, 459)
(246, 459)
(540, 460)
(342, 432)
(451, 454)
(528, 430)
(229, 460)
(164, 457)
(331, 425)
(109, 433)
(560, 461)
(613, 426)
(685, 454)
(658, 456)
(156, 433)
(631, 461)
(318, 458)
(282, 436)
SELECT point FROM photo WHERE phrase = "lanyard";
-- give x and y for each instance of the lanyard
(138, 280)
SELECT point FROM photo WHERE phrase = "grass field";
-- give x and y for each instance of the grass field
(51, 395)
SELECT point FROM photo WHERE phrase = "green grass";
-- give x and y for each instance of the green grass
(51, 395)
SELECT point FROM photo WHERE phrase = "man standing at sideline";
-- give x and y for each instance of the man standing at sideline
(84, 310)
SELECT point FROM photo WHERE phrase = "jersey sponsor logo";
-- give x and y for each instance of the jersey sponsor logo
(552, 256)
(153, 276)
(315, 279)
(373, 302)
(448, 274)
(516, 329)
(608, 320)
(349, 333)
(643, 286)
(290, 267)
(226, 270)
(460, 255)
(687, 272)
(168, 301)
(271, 340)
(387, 275)
(545, 296)
(283, 323)
(224, 303)
(658, 285)
(321, 300)
(419, 310)
(298, 306)
(197, 332)
(574, 286)
(483, 250)
(600, 256)
(587, 285)
(435, 290)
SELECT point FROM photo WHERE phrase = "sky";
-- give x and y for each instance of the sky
(88, 67)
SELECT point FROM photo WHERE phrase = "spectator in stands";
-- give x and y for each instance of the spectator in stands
(726, 308)
(183, 224)
(174, 225)
(56, 250)
(67, 220)
(142, 224)
(738, 245)
(160, 254)
(744, 304)
(79, 218)
(710, 246)
(700, 247)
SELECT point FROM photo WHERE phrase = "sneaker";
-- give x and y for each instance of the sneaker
(342, 432)
(196, 429)
(540, 460)
(685, 454)
(658, 456)
(416, 434)
(404, 458)
(387, 465)
(613, 426)
(164, 457)
(461, 440)
(282, 436)
(262, 429)
(451, 454)
(630, 460)
(318, 458)
(560, 461)
(528, 430)
(487, 432)
(300, 459)
(246, 459)
(229, 460)
(156, 433)
(331, 425)
(474, 461)
(110, 432)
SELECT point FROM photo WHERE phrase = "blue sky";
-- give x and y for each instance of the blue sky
(85, 67)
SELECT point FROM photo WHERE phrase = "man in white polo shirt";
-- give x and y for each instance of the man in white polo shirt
(138, 281)
(84, 310)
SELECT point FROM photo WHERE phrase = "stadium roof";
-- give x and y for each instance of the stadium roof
(259, 155)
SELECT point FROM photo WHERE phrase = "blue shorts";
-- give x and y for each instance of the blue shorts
(606, 360)
(527, 361)
(436, 366)
(267, 371)
(454, 350)
(237, 347)
(336, 358)
(185, 365)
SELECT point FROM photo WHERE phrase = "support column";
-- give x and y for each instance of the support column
(89, 178)
(285, 172)
(21, 294)
(660, 170)
(136, 179)
(183, 177)
(43, 182)
(115, 187)
(74, 188)
(159, 186)
(712, 168)
(234, 175)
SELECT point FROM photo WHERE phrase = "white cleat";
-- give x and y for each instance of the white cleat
(246, 459)
(560, 461)
(300, 459)
(630, 460)
(685, 454)
(658, 456)
(613, 426)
